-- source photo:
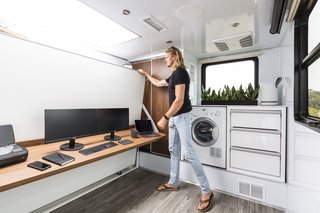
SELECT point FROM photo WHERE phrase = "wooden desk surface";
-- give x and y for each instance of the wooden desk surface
(19, 174)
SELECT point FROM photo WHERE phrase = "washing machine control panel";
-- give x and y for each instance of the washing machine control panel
(208, 112)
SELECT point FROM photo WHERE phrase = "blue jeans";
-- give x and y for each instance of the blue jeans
(180, 133)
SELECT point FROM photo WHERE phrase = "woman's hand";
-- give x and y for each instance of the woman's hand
(142, 72)
(162, 123)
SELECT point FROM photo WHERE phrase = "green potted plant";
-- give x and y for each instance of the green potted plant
(230, 96)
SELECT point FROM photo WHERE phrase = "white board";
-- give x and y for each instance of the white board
(34, 77)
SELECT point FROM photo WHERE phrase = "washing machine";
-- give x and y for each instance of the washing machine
(209, 132)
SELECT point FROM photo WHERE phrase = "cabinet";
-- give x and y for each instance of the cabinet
(256, 141)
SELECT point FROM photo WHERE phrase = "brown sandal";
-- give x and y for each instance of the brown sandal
(165, 187)
(209, 201)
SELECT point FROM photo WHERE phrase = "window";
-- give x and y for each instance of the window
(314, 89)
(231, 73)
(314, 68)
(307, 65)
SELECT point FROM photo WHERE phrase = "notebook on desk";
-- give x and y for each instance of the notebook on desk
(58, 158)
(145, 128)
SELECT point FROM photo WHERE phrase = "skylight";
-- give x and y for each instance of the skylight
(61, 22)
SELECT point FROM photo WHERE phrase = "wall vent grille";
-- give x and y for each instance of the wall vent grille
(252, 191)
(244, 188)
(215, 152)
(256, 191)
(154, 23)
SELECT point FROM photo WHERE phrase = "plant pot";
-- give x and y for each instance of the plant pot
(230, 102)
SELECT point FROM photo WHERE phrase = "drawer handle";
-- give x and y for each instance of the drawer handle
(254, 151)
(267, 131)
(274, 112)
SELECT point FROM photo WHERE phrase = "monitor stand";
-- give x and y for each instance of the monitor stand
(112, 137)
(71, 146)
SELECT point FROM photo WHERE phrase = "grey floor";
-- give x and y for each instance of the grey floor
(135, 192)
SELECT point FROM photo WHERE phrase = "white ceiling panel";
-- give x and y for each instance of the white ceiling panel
(211, 20)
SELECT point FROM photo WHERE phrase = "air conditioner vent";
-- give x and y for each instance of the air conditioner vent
(221, 46)
(246, 42)
(234, 42)
(154, 23)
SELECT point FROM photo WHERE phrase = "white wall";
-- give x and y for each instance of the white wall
(304, 184)
(269, 65)
(34, 77)
(189, 61)
(303, 147)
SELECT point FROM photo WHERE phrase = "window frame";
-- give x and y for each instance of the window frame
(256, 69)
(302, 60)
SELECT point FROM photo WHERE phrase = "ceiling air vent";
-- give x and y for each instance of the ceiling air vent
(221, 46)
(234, 42)
(154, 23)
(246, 42)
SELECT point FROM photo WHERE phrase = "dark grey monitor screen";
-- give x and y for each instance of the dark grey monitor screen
(64, 124)
(113, 119)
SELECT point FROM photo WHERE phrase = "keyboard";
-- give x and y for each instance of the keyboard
(97, 148)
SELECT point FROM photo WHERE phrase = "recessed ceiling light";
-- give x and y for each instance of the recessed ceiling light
(126, 12)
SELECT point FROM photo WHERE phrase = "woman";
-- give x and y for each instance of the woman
(179, 120)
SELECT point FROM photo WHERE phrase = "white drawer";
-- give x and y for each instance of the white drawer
(256, 119)
(264, 164)
(255, 139)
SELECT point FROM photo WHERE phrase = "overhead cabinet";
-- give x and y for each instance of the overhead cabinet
(256, 138)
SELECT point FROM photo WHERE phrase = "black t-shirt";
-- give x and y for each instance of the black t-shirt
(179, 76)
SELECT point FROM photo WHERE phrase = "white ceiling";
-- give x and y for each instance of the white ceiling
(194, 35)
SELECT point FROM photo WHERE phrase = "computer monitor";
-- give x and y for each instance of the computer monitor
(111, 120)
(69, 124)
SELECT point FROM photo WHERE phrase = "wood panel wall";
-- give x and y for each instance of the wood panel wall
(156, 100)
(147, 87)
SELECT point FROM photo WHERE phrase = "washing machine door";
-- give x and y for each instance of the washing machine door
(204, 131)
